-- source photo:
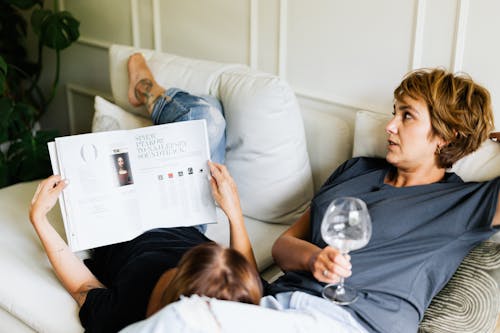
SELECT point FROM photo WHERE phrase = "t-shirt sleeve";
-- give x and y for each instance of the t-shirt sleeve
(485, 205)
(96, 314)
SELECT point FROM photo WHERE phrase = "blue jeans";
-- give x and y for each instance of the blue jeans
(177, 105)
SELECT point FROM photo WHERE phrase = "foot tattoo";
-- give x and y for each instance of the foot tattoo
(142, 91)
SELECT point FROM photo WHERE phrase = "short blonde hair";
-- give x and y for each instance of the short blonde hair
(215, 271)
(460, 110)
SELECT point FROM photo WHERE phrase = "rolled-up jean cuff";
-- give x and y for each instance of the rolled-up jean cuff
(166, 112)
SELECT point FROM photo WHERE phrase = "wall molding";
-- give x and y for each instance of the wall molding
(418, 35)
(157, 43)
(460, 35)
(104, 44)
(93, 42)
(254, 35)
(334, 100)
(71, 90)
(134, 19)
(283, 36)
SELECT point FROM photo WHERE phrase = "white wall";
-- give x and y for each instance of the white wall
(338, 55)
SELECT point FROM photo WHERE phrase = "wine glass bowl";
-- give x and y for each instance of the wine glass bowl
(346, 226)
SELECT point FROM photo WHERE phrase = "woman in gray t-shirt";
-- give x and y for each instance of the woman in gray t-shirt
(425, 220)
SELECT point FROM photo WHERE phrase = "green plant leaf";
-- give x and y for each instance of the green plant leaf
(38, 16)
(21, 120)
(4, 171)
(3, 74)
(24, 4)
(6, 110)
(55, 30)
(13, 30)
(28, 158)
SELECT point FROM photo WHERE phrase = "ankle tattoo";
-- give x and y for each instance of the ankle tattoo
(142, 91)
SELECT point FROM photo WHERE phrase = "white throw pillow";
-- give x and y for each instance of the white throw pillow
(370, 140)
(266, 147)
(110, 117)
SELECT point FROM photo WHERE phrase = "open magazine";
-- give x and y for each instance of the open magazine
(123, 183)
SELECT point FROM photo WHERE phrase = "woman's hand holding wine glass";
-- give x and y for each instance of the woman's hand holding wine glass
(329, 265)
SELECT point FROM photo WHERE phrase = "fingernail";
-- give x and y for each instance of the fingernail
(66, 181)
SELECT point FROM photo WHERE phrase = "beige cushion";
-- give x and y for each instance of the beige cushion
(469, 302)
(109, 117)
(29, 288)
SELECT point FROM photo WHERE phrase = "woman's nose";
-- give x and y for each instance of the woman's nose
(392, 126)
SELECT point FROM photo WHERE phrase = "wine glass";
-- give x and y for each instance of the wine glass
(346, 226)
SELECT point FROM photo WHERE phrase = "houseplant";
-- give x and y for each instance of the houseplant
(23, 147)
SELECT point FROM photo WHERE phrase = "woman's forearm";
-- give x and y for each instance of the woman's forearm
(239, 240)
(291, 253)
(69, 269)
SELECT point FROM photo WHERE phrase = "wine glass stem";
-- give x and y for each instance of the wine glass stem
(340, 287)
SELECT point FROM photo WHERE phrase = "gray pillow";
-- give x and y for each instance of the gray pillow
(470, 300)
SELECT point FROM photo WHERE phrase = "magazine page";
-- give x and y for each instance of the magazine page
(54, 161)
(171, 174)
(101, 199)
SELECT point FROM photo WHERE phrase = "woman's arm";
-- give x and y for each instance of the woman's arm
(225, 193)
(293, 251)
(69, 269)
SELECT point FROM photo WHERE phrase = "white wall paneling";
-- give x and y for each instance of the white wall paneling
(100, 30)
(418, 34)
(481, 51)
(254, 34)
(337, 55)
(157, 32)
(461, 30)
(134, 18)
(283, 35)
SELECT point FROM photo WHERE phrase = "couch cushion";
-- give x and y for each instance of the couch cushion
(29, 288)
(266, 149)
(109, 117)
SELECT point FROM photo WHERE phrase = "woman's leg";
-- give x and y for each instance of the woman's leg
(166, 106)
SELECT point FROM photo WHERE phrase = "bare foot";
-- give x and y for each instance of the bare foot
(142, 88)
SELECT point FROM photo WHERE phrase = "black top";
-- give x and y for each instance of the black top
(130, 271)
(420, 236)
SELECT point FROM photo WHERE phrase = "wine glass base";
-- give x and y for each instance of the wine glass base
(345, 297)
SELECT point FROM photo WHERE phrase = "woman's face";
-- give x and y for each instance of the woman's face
(120, 162)
(410, 140)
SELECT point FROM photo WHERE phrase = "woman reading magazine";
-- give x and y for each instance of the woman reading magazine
(127, 282)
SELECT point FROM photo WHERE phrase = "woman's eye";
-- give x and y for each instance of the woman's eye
(407, 115)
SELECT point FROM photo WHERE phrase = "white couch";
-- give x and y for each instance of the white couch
(277, 156)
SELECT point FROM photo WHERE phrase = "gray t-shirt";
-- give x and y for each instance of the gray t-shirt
(420, 236)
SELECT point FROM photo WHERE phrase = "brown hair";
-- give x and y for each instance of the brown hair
(214, 271)
(460, 110)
